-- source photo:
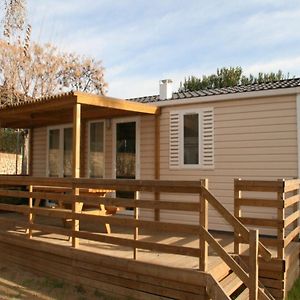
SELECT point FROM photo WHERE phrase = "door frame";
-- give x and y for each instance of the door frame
(137, 121)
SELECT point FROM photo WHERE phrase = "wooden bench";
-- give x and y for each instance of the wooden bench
(101, 210)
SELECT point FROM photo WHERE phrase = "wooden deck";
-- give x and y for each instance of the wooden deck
(150, 259)
(180, 261)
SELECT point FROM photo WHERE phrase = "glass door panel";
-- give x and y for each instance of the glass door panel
(125, 154)
(96, 154)
(126, 150)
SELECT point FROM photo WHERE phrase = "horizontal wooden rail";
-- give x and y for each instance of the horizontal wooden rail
(170, 186)
(151, 204)
(291, 185)
(291, 218)
(14, 208)
(13, 222)
(259, 202)
(259, 185)
(109, 201)
(291, 200)
(291, 236)
(261, 222)
(269, 242)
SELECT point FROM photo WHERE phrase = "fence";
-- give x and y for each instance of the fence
(283, 197)
(76, 192)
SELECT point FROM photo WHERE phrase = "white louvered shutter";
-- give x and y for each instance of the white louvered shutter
(174, 142)
(207, 138)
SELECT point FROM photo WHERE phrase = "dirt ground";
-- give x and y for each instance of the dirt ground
(15, 283)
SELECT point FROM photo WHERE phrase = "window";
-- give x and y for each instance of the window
(60, 142)
(191, 138)
(96, 149)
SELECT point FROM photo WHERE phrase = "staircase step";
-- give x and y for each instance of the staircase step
(230, 283)
(219, 271)
(244, 295)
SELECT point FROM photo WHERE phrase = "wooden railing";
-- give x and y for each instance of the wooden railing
(283, 197)
(73, 195)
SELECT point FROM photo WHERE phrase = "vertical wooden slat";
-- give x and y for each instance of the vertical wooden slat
(30, 216)
(253, 264)
(83, 158)
(203, 221)
(281, 217)
(237, 214)
(295, 209)
(157, 163)
(76, 168)
(136, 229)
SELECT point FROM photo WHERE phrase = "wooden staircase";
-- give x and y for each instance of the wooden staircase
(233, 286)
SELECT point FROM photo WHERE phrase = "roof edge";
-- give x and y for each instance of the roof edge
(229, 97)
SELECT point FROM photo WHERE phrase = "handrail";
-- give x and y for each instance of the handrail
(233, 221)
(176, 186)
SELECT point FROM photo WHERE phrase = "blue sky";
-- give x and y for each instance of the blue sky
(141, 42)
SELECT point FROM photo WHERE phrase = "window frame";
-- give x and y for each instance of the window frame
(206, 139)
(88, 171)
(61, 147)
(181, 138)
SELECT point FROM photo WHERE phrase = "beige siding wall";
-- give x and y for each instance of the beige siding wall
(39, 151)
(254, 139)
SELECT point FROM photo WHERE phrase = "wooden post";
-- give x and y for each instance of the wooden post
(136, 229)
(237, 214)
(157, 163)
(203, 221)
(295, 209)
(30, 154)
(30, 216)
(281, 217)
(83, 142)
(76, 169)
(253, 264)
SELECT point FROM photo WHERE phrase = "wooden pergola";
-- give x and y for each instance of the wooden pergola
(75, 108)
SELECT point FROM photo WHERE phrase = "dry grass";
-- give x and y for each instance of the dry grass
(15, 283)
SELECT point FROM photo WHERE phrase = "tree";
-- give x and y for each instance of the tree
(29, 70)
(14, 18)
(44, 71)
(227, 77)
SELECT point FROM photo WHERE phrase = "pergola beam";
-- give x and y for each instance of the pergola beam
(115, 103)
(51, 110)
